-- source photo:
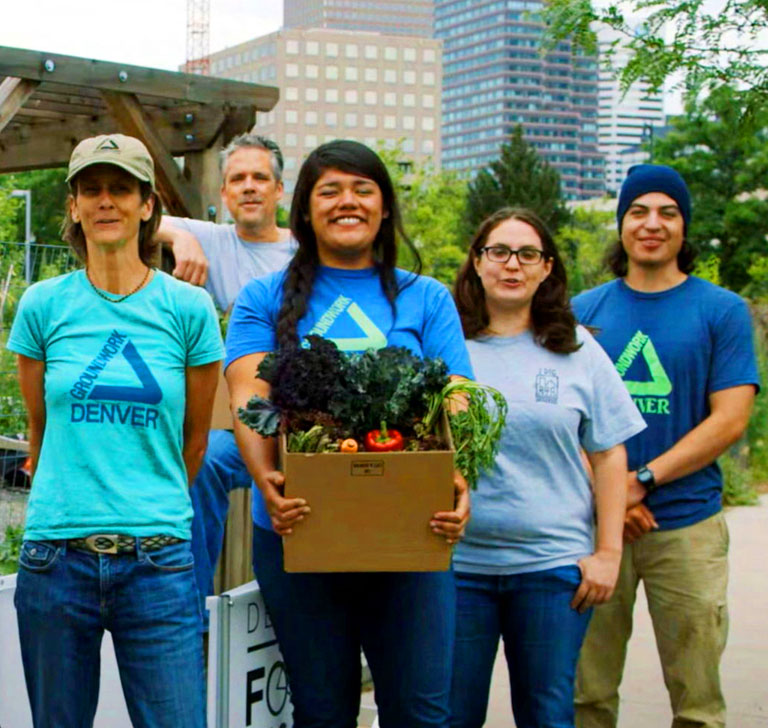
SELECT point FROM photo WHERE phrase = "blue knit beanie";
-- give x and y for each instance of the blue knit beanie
(644, 178)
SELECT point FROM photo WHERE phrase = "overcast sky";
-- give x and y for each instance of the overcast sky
(139, 32)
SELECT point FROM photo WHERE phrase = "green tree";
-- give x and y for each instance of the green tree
(49, 195)
(708, 43)
(432, 203)
(722, 154)
(519, 178)
(583, 244)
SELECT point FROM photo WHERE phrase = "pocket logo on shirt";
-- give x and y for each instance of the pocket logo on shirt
(86, 387)
(373, 337)
(547, 386)
(650, 395)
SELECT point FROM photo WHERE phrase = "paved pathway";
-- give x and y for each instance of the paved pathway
(644, 702)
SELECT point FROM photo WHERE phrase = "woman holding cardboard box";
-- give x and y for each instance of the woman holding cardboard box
(528, 570)
(346, 219)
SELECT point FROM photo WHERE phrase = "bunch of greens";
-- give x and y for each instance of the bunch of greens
(317, 384)
(390, 384)
(476, 415)
(319, 395)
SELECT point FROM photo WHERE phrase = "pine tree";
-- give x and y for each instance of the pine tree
(519, 178)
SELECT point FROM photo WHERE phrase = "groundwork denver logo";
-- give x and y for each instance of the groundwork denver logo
(650, 395)
(99, 402)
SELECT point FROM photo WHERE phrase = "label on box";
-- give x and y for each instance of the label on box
(368, 467)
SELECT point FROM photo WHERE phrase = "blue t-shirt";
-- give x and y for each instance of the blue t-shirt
(111, 457)
(673, 349)
(534, 509)
(349, 308)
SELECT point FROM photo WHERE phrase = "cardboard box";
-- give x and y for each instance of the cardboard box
(370, 511)
(222, 415)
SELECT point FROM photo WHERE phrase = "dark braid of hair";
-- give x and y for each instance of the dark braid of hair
(300, 276)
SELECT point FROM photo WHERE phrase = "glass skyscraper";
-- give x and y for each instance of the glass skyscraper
(495, 77)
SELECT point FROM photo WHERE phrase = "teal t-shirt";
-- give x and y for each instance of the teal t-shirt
(115, 377)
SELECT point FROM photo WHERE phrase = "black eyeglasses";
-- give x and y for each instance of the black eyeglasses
(527, 255)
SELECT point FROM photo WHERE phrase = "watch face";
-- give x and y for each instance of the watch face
(644, 476)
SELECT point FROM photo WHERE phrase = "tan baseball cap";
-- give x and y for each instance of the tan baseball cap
(123, 151)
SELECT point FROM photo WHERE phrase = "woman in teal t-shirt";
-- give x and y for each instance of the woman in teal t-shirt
(108, 359)
(529, 569)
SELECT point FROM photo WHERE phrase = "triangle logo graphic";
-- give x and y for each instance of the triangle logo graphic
(373, 339)
(148, 393)
(108, 144)
(659, 385)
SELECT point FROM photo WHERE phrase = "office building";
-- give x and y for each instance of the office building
(494, 78)
(627, 121)
(377, 89)
(391, 17)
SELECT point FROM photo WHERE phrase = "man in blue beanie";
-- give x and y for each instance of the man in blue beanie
(684, 349)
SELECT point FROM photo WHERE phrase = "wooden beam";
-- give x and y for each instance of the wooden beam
(119, 77)
(14, 92)
(179, 196)
(25, 146)
(204, 173)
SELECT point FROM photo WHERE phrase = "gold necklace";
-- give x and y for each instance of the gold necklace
(122, 298)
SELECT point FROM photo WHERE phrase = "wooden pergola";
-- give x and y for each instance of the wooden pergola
(50, 102)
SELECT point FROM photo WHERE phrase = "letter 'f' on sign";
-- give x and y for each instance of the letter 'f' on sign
(252, 696)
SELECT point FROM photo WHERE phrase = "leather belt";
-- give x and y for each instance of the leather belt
(114, 543)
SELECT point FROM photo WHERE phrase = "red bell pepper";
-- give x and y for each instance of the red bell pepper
(384, 440)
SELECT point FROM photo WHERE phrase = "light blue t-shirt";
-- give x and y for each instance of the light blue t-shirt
(232, 261)
(111, 458)
(534, 509)
(349, 308)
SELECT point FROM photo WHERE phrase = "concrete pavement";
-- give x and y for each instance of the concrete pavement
(644, 702)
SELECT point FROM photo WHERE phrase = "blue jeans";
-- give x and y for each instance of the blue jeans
(404, 622)
(65, 599)
(542, 638)
(222, 471)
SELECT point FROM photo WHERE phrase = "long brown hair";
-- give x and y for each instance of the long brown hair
(72, 232)
(552, 321)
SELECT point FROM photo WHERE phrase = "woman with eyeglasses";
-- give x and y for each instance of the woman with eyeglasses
(530, 568)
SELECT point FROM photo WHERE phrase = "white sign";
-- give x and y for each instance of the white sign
(247, 684)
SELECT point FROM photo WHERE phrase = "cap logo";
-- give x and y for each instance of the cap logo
(108, 144)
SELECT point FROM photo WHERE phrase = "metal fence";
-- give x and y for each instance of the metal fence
(20, 265)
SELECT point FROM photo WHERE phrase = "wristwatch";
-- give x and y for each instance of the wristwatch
(646, 478)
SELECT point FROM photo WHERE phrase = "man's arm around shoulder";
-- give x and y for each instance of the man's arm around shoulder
(191, 263)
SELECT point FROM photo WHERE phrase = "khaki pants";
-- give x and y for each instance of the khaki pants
(685, 575)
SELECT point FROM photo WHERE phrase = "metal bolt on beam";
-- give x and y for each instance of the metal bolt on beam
(122, 76)
(189, 138)
(49, 66)
(189, 117)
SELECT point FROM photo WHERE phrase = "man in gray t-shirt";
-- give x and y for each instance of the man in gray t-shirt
(224, 258)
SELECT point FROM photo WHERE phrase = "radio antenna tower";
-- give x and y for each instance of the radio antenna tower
(198, 37)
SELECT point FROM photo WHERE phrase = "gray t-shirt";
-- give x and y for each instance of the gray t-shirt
(534, 509)
(232, 262)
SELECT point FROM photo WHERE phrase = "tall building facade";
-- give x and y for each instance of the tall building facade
(494, 78)
(377, 89)
(392, 17)
(626, 120)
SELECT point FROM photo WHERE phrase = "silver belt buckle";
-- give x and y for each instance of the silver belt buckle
(102, 543)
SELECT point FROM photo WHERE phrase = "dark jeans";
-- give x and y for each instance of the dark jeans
(404, 622)
(222, 471)
(65, 599)
(542, 638)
